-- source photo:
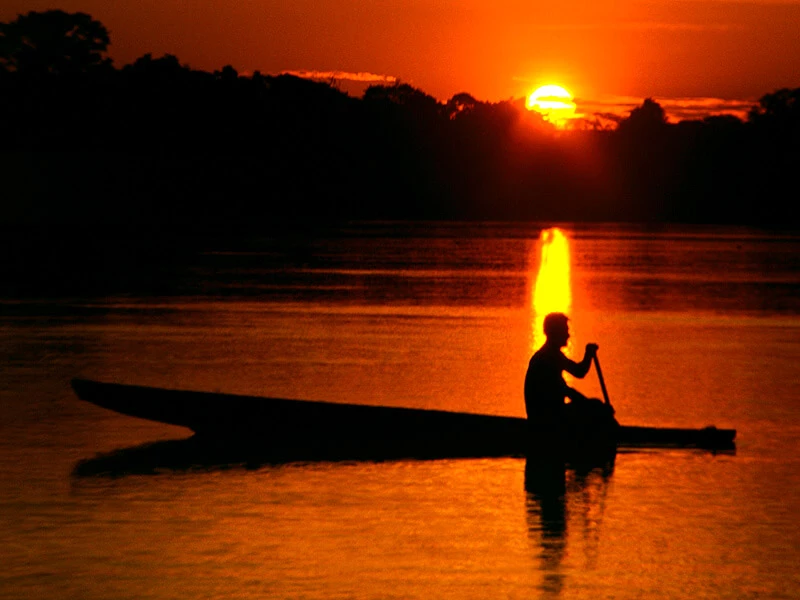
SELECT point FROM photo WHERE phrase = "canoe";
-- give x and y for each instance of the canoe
(313, 428)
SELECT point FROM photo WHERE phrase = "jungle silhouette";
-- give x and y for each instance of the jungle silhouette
(156, 143)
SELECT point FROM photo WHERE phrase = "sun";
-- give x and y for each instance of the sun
(554, 103)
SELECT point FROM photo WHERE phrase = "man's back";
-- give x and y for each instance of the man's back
(545, 387)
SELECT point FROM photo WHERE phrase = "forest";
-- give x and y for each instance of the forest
(157, 143)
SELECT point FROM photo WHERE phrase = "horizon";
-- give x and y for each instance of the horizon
(695, 58)
(255, 140)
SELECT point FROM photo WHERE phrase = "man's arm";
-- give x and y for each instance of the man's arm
(580, 369)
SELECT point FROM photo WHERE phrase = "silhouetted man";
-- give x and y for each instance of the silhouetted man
(545, 388)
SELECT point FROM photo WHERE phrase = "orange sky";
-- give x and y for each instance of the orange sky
(603, 52)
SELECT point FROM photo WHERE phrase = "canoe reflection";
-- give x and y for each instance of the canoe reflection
(560, 493)
(201, 453)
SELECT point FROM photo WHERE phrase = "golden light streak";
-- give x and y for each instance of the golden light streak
(553, 291)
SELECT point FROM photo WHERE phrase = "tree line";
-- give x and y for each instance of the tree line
(156, 142)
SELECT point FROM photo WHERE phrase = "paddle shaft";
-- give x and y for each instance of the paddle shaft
(600, 377)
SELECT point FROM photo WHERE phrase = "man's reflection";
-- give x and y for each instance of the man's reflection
(555, 489)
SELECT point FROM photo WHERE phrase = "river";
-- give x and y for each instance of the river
(696, 326)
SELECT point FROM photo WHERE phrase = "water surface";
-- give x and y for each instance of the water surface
(696, 327)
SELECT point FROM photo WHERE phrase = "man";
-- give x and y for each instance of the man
(545, 388)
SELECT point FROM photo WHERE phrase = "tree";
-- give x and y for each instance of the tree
(782, 104)
(459, 104)
(227, 75)
(165, 71)
(402, 94)
(778, 117)
(53, 43)
(644, 120)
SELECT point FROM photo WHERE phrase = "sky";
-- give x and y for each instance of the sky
(694, 57)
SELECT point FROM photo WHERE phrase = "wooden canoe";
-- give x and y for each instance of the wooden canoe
(311, 428)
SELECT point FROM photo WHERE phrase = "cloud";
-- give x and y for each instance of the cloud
(613, 108)
(697, 27)
(748, 2)
(360, 77)
(698, 108)
(641, 26)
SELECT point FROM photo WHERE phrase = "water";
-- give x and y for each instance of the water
(695, 326)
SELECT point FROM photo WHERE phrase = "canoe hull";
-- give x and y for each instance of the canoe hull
(324, 427)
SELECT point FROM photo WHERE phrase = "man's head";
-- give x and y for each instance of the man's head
(556, 328)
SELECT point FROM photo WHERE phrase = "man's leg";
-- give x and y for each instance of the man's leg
(588, 410)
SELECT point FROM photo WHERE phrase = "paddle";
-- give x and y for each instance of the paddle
(600, 377)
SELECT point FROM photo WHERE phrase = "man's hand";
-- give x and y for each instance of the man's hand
(591, 349)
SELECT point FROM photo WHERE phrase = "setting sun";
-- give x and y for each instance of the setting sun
(554, 103)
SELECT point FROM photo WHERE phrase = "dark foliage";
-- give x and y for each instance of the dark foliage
(53, 44)
(158, 143)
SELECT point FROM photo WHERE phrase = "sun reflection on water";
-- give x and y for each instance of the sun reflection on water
(552, 292)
